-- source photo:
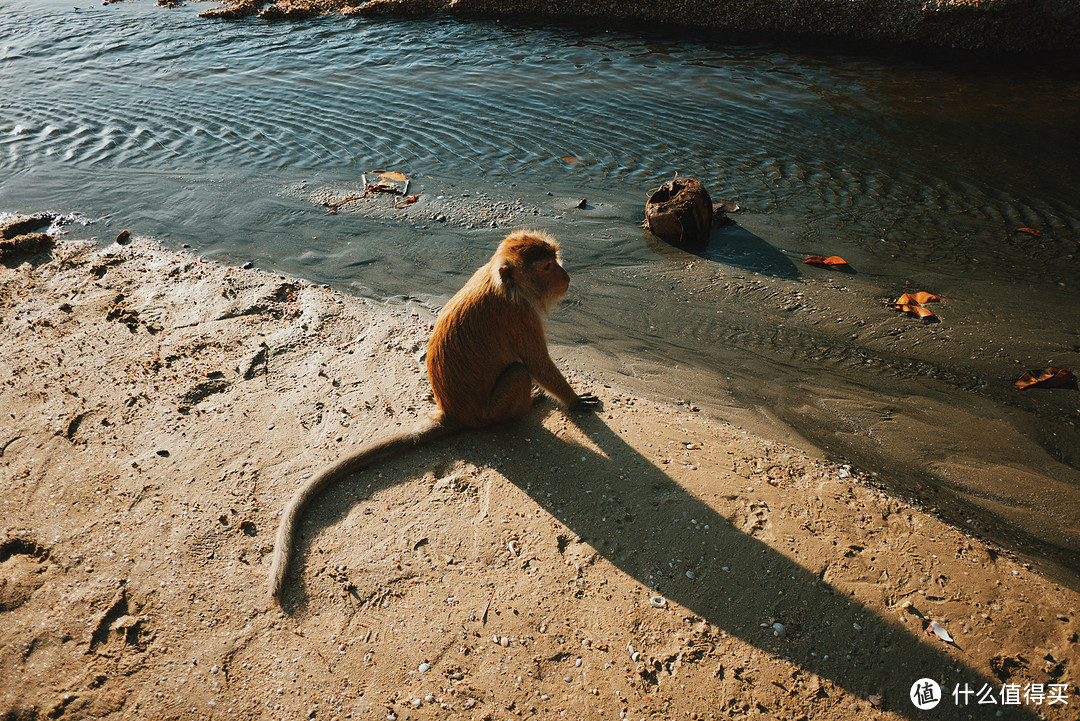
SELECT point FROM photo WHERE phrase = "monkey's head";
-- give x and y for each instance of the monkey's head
(527, 267)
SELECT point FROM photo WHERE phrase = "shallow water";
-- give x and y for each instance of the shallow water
(228, 136)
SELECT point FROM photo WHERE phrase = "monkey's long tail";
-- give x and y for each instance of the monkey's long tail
(290, 517)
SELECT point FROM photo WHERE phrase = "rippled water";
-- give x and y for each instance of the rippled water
(226, 136)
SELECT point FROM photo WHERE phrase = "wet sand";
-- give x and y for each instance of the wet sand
(646, 561)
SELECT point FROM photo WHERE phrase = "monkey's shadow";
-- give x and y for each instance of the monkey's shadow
(639, 519)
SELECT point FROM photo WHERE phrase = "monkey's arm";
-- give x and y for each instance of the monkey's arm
(545, 373)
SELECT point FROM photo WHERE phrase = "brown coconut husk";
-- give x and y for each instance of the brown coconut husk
(680, 211)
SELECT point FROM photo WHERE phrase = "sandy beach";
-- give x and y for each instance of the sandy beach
(647, 561)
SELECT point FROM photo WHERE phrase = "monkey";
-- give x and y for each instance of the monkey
(485, 354)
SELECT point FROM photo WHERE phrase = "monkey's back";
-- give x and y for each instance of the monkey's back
(478, 335)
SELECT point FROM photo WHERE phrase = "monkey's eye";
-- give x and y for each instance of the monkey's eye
(548, 266)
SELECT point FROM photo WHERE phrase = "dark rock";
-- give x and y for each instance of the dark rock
(26, 244)
(24, 224)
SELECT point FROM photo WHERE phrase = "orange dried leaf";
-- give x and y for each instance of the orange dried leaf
(408, 201)
(391, 176)
(1029, 231)
(918, 298)
(1049, 378)
(832, 260)
(570, 160)
(916, 310)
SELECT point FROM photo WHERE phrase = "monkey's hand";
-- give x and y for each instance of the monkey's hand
(587, 402)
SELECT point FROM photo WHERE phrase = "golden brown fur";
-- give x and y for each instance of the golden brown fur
(487, 350)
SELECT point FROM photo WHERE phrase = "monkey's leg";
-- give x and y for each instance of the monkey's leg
(511, 395)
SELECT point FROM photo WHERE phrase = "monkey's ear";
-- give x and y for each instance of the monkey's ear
(506, 273)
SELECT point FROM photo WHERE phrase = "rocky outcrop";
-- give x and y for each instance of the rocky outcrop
(1007, 26)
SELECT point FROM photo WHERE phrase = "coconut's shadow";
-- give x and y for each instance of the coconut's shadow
(731, 244)
(648, 524)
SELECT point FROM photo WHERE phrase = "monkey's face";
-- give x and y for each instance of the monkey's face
(554, 280)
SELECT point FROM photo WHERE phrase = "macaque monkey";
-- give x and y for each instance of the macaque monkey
(486, 352)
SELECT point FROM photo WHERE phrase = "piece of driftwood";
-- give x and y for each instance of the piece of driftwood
(387, 182)
(680, 212)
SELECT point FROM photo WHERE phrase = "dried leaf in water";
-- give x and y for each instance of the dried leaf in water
(408, 201)
(912, 303)
(916, 310)
(831, 261)
(1049, 378)
(570, 160)
(1029, 231)
(391, 176)
(918, 298)
(385, 181)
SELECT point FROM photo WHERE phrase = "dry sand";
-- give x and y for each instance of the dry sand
(646, 561)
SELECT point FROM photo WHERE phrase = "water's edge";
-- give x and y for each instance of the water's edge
(230, 138)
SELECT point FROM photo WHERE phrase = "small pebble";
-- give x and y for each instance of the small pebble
(424, 667)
